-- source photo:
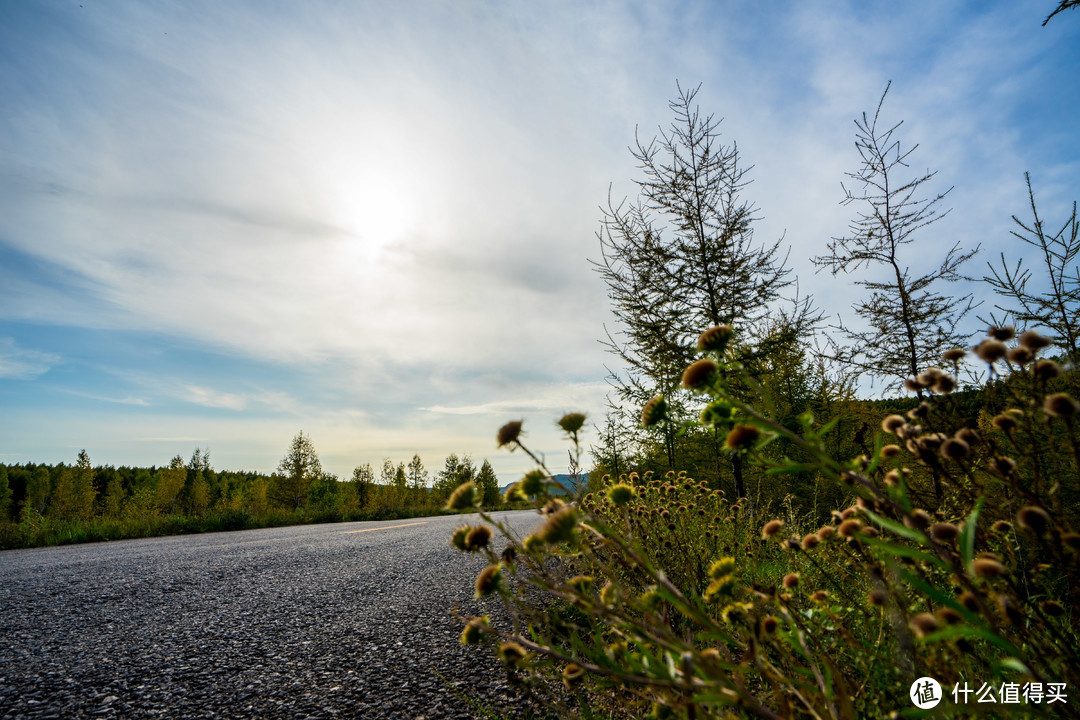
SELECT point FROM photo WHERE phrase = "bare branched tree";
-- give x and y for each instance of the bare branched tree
(1057, 307)
(910, 323)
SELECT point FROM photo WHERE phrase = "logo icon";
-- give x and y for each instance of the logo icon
(925, 693)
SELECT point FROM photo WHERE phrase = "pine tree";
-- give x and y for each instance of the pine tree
(418, 477)
(297, 470)
(488, 483)
(363, 478)
(84, 490)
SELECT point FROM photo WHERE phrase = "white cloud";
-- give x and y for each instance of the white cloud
(18, 363)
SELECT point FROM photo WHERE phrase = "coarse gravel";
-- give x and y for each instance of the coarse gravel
(315, 621)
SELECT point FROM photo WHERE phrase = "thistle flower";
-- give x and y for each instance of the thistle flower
(572, 673)
(1020, 355)
(954, 449)
(1046, 370)
(769, 624)
(1002, 526)
(1004, 333)
(893, 423)
(877, 597)
(717, 413)
(848, 528)
(791, 581)
(720, 588)
(825, 533)
(458, 538)
(512, 653)
(888, 452)
(990, 351)
(988, 568)
(514, 494)
(968, 435)
(533, 483)
(771, 528)
(923, 624)
(970, 603)
(1033, 340)
(1053, 608)
(953, 355)
(620, 494)
(509, 433)
(742, 437)
(700, 374)
(811, 541)
(477, 538)
(723, 566)
(820, 596)
(944, 532)
(1034, 519)
(465, 496)
(655, 411)
(572, 422)
(715, 339)
(474, 631)
(488, 580)
(1061, 405)
(1002, 466)
(559, 526)
(944, 385)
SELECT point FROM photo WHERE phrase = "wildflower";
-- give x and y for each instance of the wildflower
(990, 351)
(771, 528)
(1034, 519)
(893, 423)
(512, 653)
(620, 494)
(700, 374)
(488, 580)
(945, 532)
(715, 339)
(988, 568)
(509, 433)
(1061, 405)
(477, 538)
(572, 422)
(742, 437)
(1033, 340)
(723, 566)
(464, 496)
(559, 527)
(923, 624)
(474, 631)
(655, 411)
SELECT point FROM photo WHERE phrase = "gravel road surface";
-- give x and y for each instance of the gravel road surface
(347, 620)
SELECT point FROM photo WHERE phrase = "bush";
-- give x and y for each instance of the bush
(951, 559)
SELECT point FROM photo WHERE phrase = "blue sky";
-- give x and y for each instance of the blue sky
(222, 223)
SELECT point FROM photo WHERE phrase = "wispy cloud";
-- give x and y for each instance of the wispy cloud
(18, 363)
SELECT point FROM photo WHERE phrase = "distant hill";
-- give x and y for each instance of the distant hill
(564, 480)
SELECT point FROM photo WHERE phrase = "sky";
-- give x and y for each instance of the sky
(225, 223)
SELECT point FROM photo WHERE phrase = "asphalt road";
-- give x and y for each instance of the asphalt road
(322, 621)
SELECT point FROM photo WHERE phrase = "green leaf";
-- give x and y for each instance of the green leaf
(897, 528)
(967, 538)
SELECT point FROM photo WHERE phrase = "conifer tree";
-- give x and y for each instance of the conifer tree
(363, 478)
(297, 470)
(84, 490)
(488, 483)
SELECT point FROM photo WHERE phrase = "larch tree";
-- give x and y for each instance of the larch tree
(297, 470)
(908, 320)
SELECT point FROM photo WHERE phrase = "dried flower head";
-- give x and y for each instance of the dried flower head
(893, 423)
(848, 528)
(1020, 355)
(509, 433)
(1046, 370)
(954, 355)
(723, 566)
(717, 413)
(559, 527)
(955, 449)
(944, 385)
(877, 597)
(771, 528)
(620, 494)
(949, 616)
(1004, 333)
(1002, 526)
(944, 532)
(825, 533)
(512, 653)
(700, 374)
(990, 351)
(572, 673)
(968, 435)
(1004, 422)
(465, 496)
(715, 339)
(488, 580)
(458, 538)
(572, 422)
(923, 624)
(769, 624)
(791, 581)
(1002, 466)
(888, 452)
(811, 541)
(988, 568)
(655, 411)
(820, 596)
(478, 538)
(1061, 405)
(1034, 519)
(1034, 341)
(742, 437)
(1053, 608)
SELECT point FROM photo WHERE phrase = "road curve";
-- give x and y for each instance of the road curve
(348, 620)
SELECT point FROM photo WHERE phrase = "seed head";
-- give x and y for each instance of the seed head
(742, 437)
(893, 423)
(559, 527)
(1046, 370)
(968, 435)
(474, 631)
(512, 653)
(888, 452)
(572, 673)
(954, 355)
(954, 449)
(769, 624)
(1034, 519)
(458, 538)
(923, 624)
(509, 433)
(533, 483)
(465, 496)
(1002, 466)
(1053, 608)
(811, 541)
(825, 533)
(620, 494)
(949, 616)
(514, 494)
(717, 412)
(848, 528)
(990, 351)
(488, 580)
(791, 581)
(877, 597)
(655, 411)
(1005, 423)
(771, 528)
(945, 532)
(988, 568)
(1020, 355)
(478, 538)
(1004, 333)
(820, 596)
(700, 374)
(715, 339)
(1033, 340)
(1061, 405)
(572, 422)
(944, 385)
(723, 566)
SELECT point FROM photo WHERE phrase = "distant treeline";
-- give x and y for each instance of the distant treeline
(51, 504)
